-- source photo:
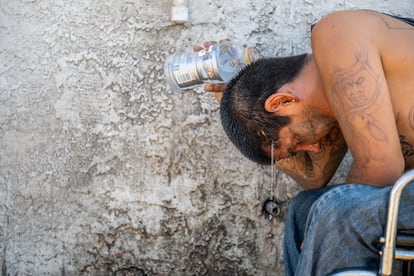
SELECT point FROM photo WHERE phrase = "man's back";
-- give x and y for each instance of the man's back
(366, 61)
(397, 52)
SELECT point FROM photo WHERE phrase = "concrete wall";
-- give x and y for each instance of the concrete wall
(103, 169)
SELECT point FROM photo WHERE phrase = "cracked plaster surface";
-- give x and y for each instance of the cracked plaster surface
(103, 169)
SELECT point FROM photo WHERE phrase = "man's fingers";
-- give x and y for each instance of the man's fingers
(220, 87)
(209, 87)
(197, 48)
(207, 44)
(214, 87)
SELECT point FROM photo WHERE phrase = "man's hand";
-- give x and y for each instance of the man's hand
(216, 88)
(313, 170)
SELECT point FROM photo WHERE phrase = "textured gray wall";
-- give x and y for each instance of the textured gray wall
(103, 169)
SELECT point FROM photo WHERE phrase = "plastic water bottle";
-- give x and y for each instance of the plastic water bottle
(218, 64)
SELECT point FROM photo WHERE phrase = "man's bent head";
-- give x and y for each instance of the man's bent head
(244, 118)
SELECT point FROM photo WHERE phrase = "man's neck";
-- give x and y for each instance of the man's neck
(314, 91)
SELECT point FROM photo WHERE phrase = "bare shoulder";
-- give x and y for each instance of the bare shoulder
(336, 36)
(366, 24)
(345, 24)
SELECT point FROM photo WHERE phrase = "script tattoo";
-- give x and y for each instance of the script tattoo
(308, 167)
(356, 96)
(392, 25)
(407, 148)
(307, 130)
(300, 165)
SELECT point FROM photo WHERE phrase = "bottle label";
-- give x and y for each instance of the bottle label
(183, 69)
(183, 77)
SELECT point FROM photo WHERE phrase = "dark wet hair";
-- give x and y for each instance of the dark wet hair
(244, 119)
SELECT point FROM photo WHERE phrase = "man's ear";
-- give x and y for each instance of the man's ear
(279, 102)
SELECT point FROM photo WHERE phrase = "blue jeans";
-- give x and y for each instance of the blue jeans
(339, 227)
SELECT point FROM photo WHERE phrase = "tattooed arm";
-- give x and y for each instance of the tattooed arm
(314, 170)
(351, 68)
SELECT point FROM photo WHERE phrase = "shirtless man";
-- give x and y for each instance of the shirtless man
(355, 91)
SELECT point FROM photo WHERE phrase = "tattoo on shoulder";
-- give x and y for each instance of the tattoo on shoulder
(357, 96)
(357, 86)
(407, 148)
(391, 24)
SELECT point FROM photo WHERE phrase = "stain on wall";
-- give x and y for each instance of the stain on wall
(104, 170)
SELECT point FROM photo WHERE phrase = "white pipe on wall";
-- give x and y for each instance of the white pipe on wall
(179, 11)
